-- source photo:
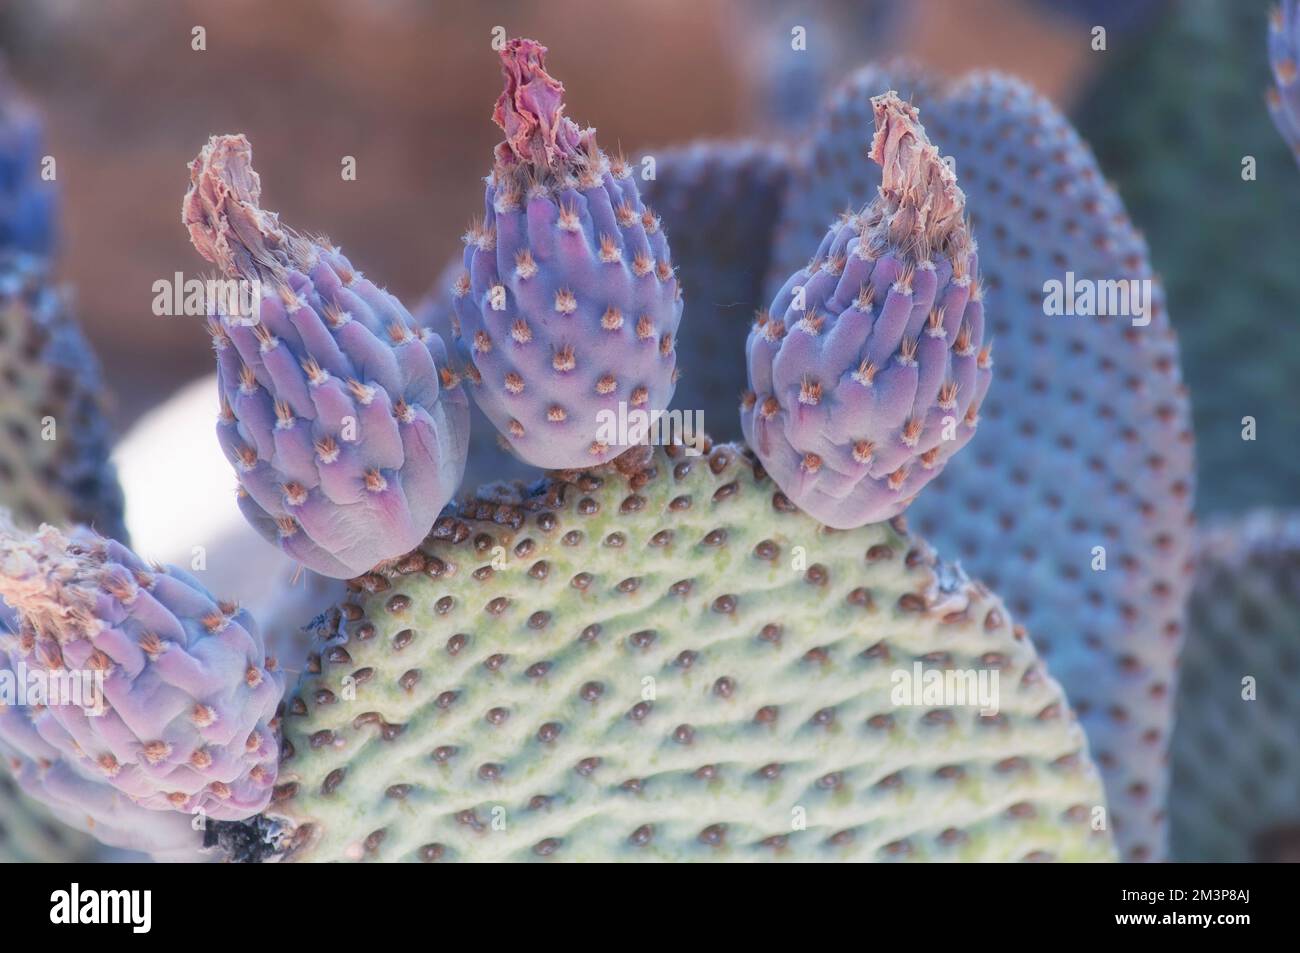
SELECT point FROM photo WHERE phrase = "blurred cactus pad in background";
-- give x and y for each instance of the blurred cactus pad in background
(1184, 114)
(702, 469)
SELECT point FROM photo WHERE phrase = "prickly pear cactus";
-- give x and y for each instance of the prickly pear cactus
(665, 660)
(720, 202)
(490, 459)
(1085, 439)
(178, 721)
(1236, 769)
(54, 433)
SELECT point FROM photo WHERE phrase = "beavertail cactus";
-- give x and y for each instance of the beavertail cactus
(633, 666)
(82, 801)
(346, 427)
(867, 372)
(170, 701)
(647, 653)
(1075, 502)
(55, 438)
(568, 306)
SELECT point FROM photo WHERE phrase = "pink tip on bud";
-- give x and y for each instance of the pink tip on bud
(53, 580)
(222, 214)
(530, 110)
(923, 202)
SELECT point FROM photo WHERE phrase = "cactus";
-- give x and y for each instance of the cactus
(569, 304)
(54, 434)
(85, 805)
(649, 654)
(720, 202)
(181, 722)
(55, 438)
(868, 372)
(27, 200)
(612, 669)
(1084, 410)
(345, 441)
(215, 541)
(1236, 791)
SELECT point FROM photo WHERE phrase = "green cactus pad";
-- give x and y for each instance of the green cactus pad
(665, 660)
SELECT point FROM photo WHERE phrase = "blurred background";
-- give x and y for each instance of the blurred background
(407, 86)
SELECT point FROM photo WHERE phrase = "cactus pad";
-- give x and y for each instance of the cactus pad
(27, 201)
(664, 659)
(1235, 794)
